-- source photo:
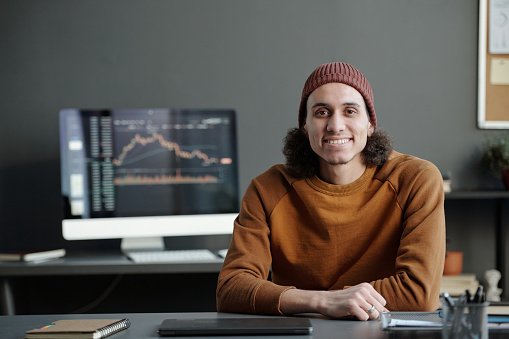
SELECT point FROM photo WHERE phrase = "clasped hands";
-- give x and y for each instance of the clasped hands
(361, 301)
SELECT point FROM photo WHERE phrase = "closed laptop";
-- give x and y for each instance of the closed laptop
(235, 326)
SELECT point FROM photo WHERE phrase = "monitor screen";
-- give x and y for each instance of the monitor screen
(144, 173)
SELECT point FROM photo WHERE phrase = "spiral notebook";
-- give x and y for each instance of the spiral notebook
(79, 328)
(235, 326)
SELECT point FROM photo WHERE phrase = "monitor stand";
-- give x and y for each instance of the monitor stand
(142, 244)
(152, 250)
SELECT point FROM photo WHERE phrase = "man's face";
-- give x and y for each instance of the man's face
(337, 125)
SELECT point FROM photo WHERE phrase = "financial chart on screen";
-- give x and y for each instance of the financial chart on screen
(148, 162)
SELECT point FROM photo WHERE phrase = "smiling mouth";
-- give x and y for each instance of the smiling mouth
(337, 141)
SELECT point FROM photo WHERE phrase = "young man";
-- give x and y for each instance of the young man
(347, 227)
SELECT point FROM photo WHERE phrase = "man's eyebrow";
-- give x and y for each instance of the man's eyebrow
(320, 104)
(323, 104)
(353, 103)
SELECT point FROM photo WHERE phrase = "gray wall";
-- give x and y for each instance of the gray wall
(253, 56)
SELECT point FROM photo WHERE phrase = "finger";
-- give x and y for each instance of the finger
(370, 303)
(373, 308)
(373, 297)
(361, 314)
(373, 312)
(381, 300)
(366, 312)
(378, 301)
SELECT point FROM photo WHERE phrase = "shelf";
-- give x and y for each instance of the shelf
(501, 198)
(467, 194)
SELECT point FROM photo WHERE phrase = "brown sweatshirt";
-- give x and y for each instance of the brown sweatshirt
(386, 228)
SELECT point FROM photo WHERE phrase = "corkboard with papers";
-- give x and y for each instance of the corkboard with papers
(493, 73)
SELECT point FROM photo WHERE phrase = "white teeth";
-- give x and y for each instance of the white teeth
(341, 141)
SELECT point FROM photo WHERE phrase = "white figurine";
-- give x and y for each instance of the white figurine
(492, 278)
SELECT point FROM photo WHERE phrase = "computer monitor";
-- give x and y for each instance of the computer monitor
(144, 174)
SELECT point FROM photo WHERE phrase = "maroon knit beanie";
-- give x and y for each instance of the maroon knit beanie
(342, 73)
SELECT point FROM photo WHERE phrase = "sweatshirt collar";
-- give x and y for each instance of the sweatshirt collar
(324, 187)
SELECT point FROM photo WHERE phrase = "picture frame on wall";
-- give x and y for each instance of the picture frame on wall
(493, 63)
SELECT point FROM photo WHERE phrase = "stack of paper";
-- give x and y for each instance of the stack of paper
(32, 255)
(458, 284)
(499, 308)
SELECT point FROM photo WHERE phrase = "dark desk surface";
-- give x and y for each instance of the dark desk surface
(103, 263)
(144, 325)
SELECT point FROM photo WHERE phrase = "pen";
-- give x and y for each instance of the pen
(448, 300)
(478, 295)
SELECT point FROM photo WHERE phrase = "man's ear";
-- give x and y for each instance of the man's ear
(304, 130)
(371, 129)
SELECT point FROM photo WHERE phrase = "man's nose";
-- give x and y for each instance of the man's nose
(336, 123)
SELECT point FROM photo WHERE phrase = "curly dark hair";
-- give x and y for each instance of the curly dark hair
(302, 161)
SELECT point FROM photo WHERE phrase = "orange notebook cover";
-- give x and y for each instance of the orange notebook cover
(80, 328)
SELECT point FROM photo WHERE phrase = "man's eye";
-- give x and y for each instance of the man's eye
(321, 112)
(351, 111)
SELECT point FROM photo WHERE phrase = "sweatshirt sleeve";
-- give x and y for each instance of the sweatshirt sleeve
(243, 285)
(421, 253)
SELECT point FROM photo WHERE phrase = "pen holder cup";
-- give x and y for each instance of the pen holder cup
(467, 320)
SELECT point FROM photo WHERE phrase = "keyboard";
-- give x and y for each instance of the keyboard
(197, 255)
